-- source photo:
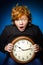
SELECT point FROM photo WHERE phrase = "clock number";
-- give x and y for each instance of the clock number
(15, 46)
(19, 57)
(15, 54)
(27, 57)
(22, 58)
(29, 53)
(27, 42)
(23, 41)
(18, 42)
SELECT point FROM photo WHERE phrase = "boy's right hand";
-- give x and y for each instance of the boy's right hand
(9, 47)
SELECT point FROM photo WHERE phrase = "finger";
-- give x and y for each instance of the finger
(36, 46)
(10, 47)
(10, 44)
(36, 50)
(10, 50)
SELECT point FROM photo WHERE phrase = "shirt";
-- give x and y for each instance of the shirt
(11, 32)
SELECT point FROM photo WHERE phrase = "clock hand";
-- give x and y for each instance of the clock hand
(24, 49)
(27, 49)
(19, 47)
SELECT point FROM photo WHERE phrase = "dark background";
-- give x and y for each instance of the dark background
(35, 6)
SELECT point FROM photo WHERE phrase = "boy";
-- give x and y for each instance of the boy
(21, 18)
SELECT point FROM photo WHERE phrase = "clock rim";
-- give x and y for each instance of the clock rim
(17, 39)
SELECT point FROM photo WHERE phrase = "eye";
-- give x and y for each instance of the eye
(23, 19)
(17, 21)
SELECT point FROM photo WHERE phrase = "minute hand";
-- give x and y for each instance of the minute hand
(24, 49)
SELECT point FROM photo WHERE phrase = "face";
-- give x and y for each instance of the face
(21, 23)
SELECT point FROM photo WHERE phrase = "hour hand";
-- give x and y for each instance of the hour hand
(19, 47)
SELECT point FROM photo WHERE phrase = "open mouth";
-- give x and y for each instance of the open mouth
(21, 27)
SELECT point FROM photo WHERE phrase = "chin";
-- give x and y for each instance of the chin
(21, 30)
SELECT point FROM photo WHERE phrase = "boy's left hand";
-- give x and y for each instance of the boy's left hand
(36, 47)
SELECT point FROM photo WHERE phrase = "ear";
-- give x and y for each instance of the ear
(29, 23)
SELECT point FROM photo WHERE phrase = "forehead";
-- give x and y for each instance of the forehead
(23, 17)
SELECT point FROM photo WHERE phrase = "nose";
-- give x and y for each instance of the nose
(21, 22)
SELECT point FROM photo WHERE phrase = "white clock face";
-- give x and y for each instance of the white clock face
(23, 50)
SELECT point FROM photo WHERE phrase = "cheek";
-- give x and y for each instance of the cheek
(16, 23)
(25, 23)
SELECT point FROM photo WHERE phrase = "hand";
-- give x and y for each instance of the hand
(36, 47)
(8, 47)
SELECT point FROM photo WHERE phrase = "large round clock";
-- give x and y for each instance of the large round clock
(23, 50)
